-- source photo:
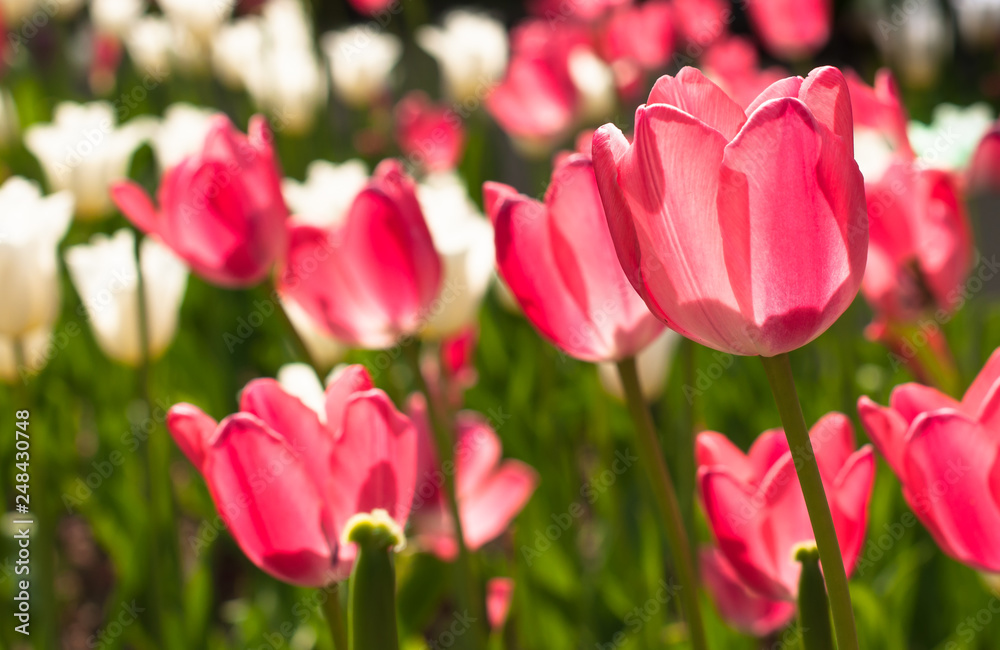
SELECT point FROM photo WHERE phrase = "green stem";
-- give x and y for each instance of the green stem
(814, 608)
(779, 374)
(163, 553)
(445, 443)
(334, 618)
(666, 500)
(372, 607)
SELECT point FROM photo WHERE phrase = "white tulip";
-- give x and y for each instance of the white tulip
(237, 43)
(471, 50)
(324, 349)
(301, 381)
(105, 275)
(116, 16)
(595, 82)
(652, 365)
(83, 151)
(35, 351)
(949, 141)
(361, 60)
(327, 193)
(150, 43)
(978, 21)
(464, 240)
(918, 44)
(180, 133)
(30, 229)
(202, 18)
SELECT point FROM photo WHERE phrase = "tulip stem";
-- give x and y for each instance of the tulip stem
(334, 617)
(445, 444)
(666, 500)
(779, 375)
(163, 565)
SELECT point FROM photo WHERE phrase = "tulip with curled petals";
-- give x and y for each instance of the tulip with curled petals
(373, 278)
(286, 481)
(558, 259)
(84, 152)
(792, 29)
(755, 506)
(471, 50)
(106, 276)
(740, 606)
(490, 492)
(220, 209)
(745, 231)
(946, 454)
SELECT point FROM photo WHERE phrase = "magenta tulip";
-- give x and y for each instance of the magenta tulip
(490, 492)
(558, 259)
(286, 479)
(741, 607)
(373, 278)
(744, 231)
(221, 209)
(946, 454)
(755, 506)
(429, 135)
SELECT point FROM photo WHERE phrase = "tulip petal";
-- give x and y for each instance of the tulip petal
(826, 94)
(786, 87)
(949, 461)
(739, 606)
(766, 450)
(698, 96)
(136, 205)
(887, 429)
(711, 449)
(348, 381)
(268, 501)
(849, 496)
(982, 385)
(833, 442)
(792, 208)
(477, 453)
(488, 511)
(191, 428)
(910, 400)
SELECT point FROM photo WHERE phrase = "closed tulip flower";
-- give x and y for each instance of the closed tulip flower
(221, 209)
(471, 50)
(374, 277)
(105, 274)
(360, 63)
(30, 229)
(755, 506)
(84, 152)
(740, 606)
(745, 231)
(286, 480)
(490, 491)
(428, 135)
(559, 261)
(792, 29)
(946, 454)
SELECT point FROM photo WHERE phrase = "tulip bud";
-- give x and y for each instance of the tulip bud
(814, 607)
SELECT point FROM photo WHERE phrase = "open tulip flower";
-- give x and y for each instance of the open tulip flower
(221, 210)
(374, 277)
(740, 606)
(755, 506)
(286, 479)
(745, 231)
(559, 261)
(946, 454)
(490, 492)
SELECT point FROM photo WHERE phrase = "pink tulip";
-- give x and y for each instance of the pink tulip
(920, 244)
(791, 29)
(744, 231)
(499, 592)
(221, 210)
(372, 278)
(430, 135)
(578, 10)
(983, 174)
(558, 259)
(739, 606)
(643, 34)
(490, 492)
(946, 454)
(702, 22)
(755, 506)
(285, 479)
